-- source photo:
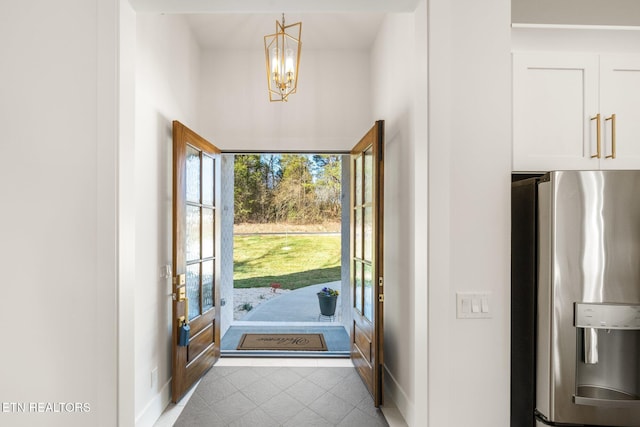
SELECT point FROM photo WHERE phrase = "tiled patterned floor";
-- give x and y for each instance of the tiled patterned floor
(281, 396)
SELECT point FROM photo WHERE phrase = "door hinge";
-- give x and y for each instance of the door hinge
(380, 282)
(381, 298)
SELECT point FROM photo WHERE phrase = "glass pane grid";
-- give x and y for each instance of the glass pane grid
(200, 231)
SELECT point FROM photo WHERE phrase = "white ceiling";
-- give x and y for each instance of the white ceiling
(242, 24)
(269, 6)
(319, 30)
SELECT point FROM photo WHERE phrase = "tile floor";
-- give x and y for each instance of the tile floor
(279, 392)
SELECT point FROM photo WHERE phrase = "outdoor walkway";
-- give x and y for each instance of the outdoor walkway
(300, 305)
(292, 311)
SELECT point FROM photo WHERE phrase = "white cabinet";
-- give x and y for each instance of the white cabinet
(559, 102)
(620, 95)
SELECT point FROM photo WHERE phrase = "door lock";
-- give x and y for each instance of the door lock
(180, 280)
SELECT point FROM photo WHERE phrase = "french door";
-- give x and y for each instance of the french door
(366, 251)
(196, 262)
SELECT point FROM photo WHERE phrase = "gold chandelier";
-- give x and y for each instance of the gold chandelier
(282, 51)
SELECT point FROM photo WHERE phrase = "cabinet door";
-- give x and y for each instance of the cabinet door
(554, 97)
(620, 95)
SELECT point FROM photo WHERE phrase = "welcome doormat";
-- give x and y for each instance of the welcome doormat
(283, 342)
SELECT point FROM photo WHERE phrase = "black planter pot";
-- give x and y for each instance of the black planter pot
(327, 304)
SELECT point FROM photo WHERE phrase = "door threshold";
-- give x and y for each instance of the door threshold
(323, 324)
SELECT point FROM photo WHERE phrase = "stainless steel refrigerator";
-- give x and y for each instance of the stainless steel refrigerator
(576, 299)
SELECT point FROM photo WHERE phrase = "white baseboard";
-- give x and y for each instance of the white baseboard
(395, 393)
(150, 414)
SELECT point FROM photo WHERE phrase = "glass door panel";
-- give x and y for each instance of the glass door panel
(193, 175)
(207, 180)
(368, 175)
(193, 290)
(193, 233)
(358, 286)
(368, 292)
(207, 232)
(357, 240)
(207, 285)
(358, 180)
(368, 234)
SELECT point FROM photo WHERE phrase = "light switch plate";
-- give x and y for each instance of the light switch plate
(473, 305)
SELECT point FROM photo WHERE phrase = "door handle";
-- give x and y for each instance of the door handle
(181, 295)
(598, 135)
(613, 136)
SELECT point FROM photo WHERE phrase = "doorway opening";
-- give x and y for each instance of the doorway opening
(285, 229)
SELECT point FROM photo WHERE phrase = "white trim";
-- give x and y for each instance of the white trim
(106, 339)
(576, 27)
(156, 406)
(125, 206)
(394, 392)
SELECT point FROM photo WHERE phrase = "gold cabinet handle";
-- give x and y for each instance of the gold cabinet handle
(598, 135)
(613, 136)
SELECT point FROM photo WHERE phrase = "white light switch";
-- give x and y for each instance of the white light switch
(473, 305)
(466, 305)
(485, 304)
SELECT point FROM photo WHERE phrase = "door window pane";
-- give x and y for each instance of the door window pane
(368, 293)
(193, 233)
(358, 180)
(207, 180)
(207, 285)
(368, 233)
(193, 175)
(358, 286)
(207, 233)
(368, 175)
(358, 233)
(193, 289)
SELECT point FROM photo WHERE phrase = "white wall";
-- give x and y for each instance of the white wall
(393, 62)
(469, 208)
(58, 88)
(330, 111)
(167, 85)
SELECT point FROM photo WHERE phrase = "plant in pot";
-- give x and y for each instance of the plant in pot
(327, 299)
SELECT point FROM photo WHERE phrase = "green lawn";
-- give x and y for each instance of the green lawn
(294, 261)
